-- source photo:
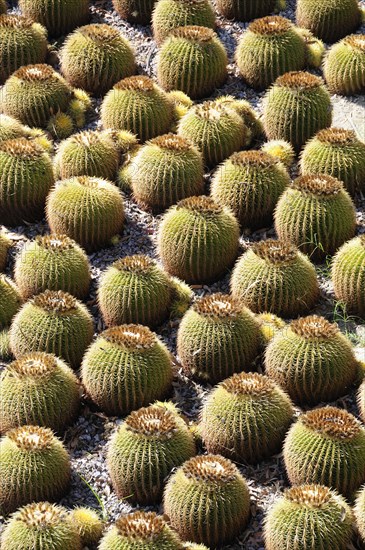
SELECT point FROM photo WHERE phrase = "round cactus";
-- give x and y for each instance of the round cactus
(245, 10)
(360, 513)
(10, 301)
(245, 418)
(273, 276)
(344, 66)
(88, 525)
(312, 361)
(182, 104)
(10, 128)
(58, 16)
(96, 57)
(250, 184)
(348, 274)
(269, 325)
(251, 119)
(326, 446)
(34, 466)
(216, 338)
(207, 500)
(296, 107)
(137, 104)
(316, 214)
(361, 401)
(135, 11)
(198, 239)
(53, 322)
(38, 389)
(171, 14)
(87, 209)
(5, 244)
(321, 516)
(280, 150)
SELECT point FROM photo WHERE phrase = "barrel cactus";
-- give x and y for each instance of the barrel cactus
(5, 244)
(361, 401)
(344, 66)
(251, 119)
(171, 14)
(280, 150)
(135, 11)
(58, 16)
(270, 325)
(360, 513)
(10, 301)
(88, 525)
(10, 128)
(245, 10)
(348, 274)
(5, 351)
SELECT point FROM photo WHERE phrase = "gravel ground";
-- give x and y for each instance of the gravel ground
(87, 439)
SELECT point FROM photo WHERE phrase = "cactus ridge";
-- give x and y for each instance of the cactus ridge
(171, 14)
(344, 66)
(10, 301)
(348, 274)
(58, 16)
(245, 10)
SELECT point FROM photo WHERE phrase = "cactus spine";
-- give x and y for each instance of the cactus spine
(88, 525)
(348, 274)
(10, 301)
(280, 150)
(344, 66)
(58, 16)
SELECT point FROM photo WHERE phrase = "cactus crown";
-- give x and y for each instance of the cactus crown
(132, 337)
(87, 138)
(314, 327)
(336, 136)
(15, 22)
(299, 80)
(102, 34)
(313, 496)
(36, 73)
(356, 41)
(271, 25)
(194, 33)
(153, 421)
(138, 263)
(88, 181)
(171, 142)
(34, 365)
(275, 252)
(211, 110)
(201, 205)
(41, 515)
(141, 525)
(22, 148)
(218, 306)
(31, 438)
(259, 159)
(332, 422)
(248, 383)
(55, 300)
(321, 186)
(137, 83)
(210, 468)
(54, 242)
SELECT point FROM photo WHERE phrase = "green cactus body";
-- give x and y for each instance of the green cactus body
(316, 214)
(207, 500)
(144, 450)
(182, 104)
(274, 277)
(217, 130)
(344, 66)
(135, 11)
(171, 14)
(326, 446)
(198, 240)
(10, 301)
(309, 517)
(5, 244)
(137, 104)
(245, 10)
(38, 389)
(269, 325)
(26, 176)
(34, 466)
(248, 114)
(88, 525)
(10, 128)
(40, 525)
(296, 107)
(22, 42)
(280, 150)
(87, 209)
(167, 169)
(330, 20)
(348, 274)
(361, 401)
(250, 184)
(360, 513)
(217, 337)
(245, 418)
(5, 352)
(53, 322)
(58, 16)
(312, 361)
(96, 57)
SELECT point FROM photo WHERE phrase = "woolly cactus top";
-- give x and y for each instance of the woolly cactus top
(132, 337)
(336, 136)
(87, 181)
(33, 365)
(210, 468)
(200, 205)
(312, 496)
(321, 186)
(259, 159)
(218, 305)
(271, 25)
(356, 41)
(31, 438)
(54, 242)
(9, 21)
(141, 526)
(101, 33)
(299, 80)
(332, 422)
(249, 383)
(55, 301)
(41, 515)
(87, 138)
(314, 327)
(22, 148)
(194, 33)
(139, 263)
(171, 142)
(275, 252)
(212, 110)
(37, 73)
(138, 83)
(153, 421)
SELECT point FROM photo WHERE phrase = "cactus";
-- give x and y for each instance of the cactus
(88, 525)
(182, 104)
(192, 59)
(344, 66)
(34, 466)
(207, 500)
(26, 176)
(245, 418)
(61, 125)
(249, 116)
(315, 48)
(250, 184)
(296, 107)
(96, 57)
(5, 352)
(87, 209)
(22, 42)
(312, 361)
(167, 169)
(5, 244)
(52, 262)
(316, 214)
(245, 10)
(280, 150)
(216, 338)
(126, 368)
(135, 11)
(3, 6)
(198, 240)
(326, 446)
(348, 274)
(40, 525)
(360, 513)
(269, 325)
(58, 16)
(10, 301)
(11, 128)
(53, 322)
(321, 516)
(361, 401)
(137, 104)
(38, 389)
(274, 277)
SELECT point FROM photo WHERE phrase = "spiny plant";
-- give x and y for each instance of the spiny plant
(182, 104)
(60, 125)
(344, 66)
(135, 11)
(321, 516)
(40, 525)
(11, 128)
(35, 466)
(198, 239)
(53, 322)
(361, 401)
(171, 14)
(312, 361)
(58, 16)
(10, 301)
(245, 10)
(5, 352)
(348, 274)
(316, 214)
(26, 176)
(207, 500)
(96, 57)
(5, 244)
(38, 389)
(274, 277)
(338, 153)
(145, 449)
(3, 6)
(315, 48)
(360, 513)
(250, 184)
(192, 59)
(296, 107)
(245, 418)
(270, 325)
(249, 116)
(52, 262)
(88, 525)
(137, 104)
(167, 169)
(217, 337)
(281, 150)
(124, 140)
(87, 209)
(326, 446)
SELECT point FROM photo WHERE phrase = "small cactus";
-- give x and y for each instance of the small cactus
(61, 125)
(269, 325)
(280, 150)
(348, 274)
(5, 244)
(88, 525)
(58, 16)
(360, 513)
(249, 116)
(361, 401)
(245, 10)
(135, 11)
(182, 103)
(344, 66)
(10, 301)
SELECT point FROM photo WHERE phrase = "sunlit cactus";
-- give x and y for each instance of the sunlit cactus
(250, 117)
(58, 16)
(348, 274)
(88, 525)
(10, 301)
(5, 244)
(344, 66)
(245, 10)
(135, 11)
(281, 150)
